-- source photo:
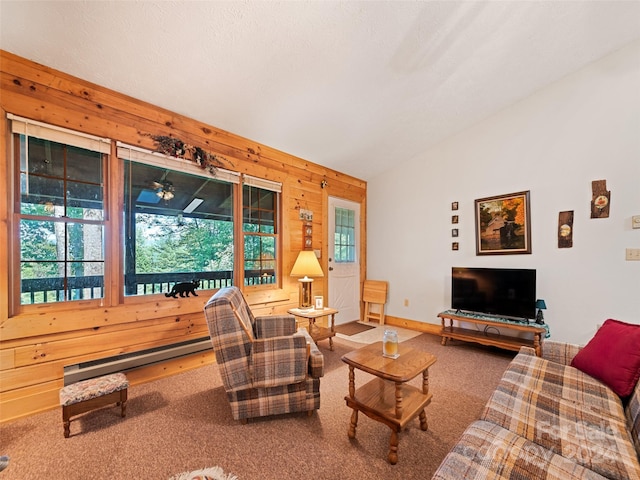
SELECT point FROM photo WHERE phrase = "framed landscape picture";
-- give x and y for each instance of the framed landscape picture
(503, 224)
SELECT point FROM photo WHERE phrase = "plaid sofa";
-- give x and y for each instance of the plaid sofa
(548, 420)
(267, 368)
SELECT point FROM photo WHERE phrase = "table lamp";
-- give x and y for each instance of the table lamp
(540, 305)
(306, 266)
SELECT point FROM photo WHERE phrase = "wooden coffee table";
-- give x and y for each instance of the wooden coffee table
(388, 398)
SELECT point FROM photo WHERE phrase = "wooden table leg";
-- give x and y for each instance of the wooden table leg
(352, 382)
(444, 339)
(352, 393)
(353, 424)
(333, 331)
(393, 447)
(537, 343)
(425, 382)
(424, 425)
(399, 406)
(425, 389)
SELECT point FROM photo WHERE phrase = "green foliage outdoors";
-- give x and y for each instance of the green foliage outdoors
(173, 244)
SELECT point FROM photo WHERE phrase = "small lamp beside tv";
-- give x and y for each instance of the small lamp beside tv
(306, 266)
(540, 305)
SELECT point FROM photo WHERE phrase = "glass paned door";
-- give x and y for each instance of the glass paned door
(344, 262)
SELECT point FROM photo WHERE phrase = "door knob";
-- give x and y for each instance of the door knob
(331, 269)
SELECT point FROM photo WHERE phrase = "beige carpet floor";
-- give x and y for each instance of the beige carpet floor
(183, 423)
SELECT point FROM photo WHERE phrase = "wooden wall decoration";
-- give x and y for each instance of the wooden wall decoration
(565, 229)
(307, 236)
(600, 199)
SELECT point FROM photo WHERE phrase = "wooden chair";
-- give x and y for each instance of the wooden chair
(374, 294)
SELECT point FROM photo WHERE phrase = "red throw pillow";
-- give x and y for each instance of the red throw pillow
(613, 356)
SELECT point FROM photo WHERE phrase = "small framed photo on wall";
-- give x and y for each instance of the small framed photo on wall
(454, 232)
(454, 205)
(454, 219)
(454, 246)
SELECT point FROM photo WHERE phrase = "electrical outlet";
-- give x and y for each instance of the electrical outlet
(635, 221)
(633, 254)
(406, 302)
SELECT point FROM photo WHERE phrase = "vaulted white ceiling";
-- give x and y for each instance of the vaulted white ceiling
(358, 86)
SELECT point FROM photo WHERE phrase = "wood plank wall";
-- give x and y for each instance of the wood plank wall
(35, 346)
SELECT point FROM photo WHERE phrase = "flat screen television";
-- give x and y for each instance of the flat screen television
(506, 292)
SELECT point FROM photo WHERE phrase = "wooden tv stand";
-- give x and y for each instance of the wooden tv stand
(491, 333)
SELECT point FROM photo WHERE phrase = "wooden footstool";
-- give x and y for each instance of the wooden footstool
(94, 393)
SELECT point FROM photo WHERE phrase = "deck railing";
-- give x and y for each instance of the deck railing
(52, 289)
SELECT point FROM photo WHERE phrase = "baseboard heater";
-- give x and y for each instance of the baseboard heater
(129, 361)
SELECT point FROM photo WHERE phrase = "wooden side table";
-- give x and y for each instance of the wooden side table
(317, 332)
(388, 398)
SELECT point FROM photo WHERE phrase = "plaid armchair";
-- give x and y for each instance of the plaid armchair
(267, 367)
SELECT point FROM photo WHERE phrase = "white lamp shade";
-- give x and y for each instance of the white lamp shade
(307, 265)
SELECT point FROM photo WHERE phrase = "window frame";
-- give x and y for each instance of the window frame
(21, 126)
(276, 188)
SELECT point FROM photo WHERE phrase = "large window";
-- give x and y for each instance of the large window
(179, 226)
(61, 213)
(178, 222)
